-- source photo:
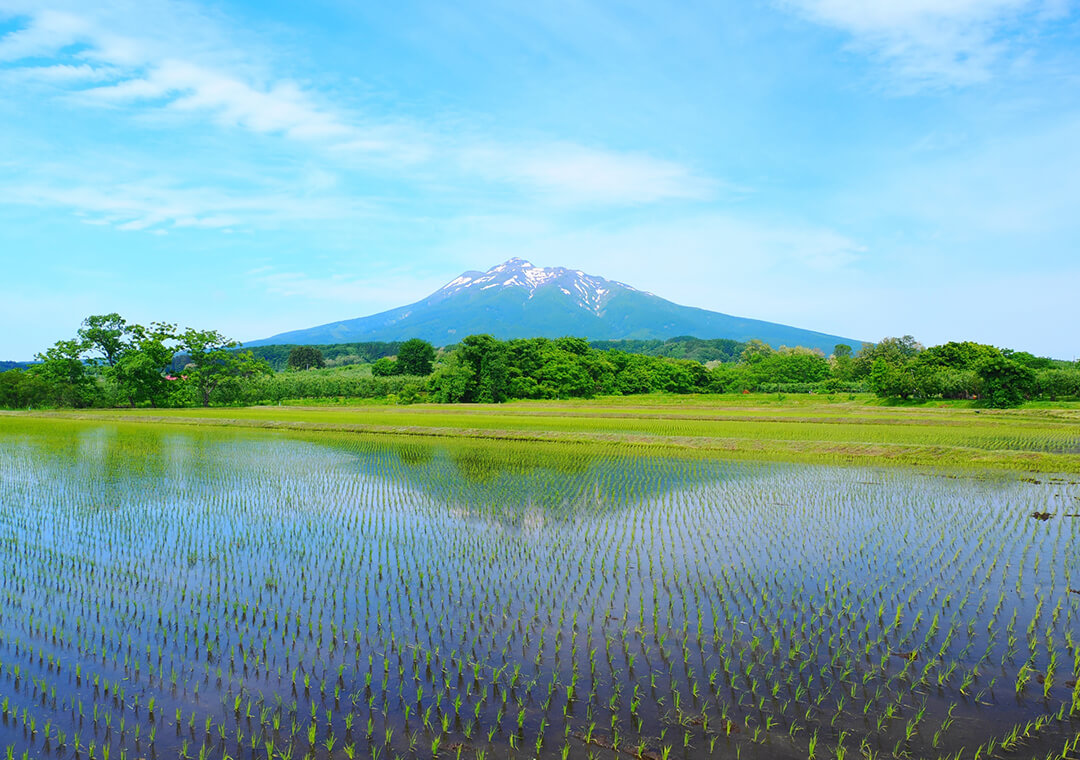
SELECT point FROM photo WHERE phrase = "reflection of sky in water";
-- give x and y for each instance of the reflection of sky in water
(489, 553)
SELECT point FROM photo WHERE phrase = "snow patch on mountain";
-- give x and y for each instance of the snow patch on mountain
(587, 291)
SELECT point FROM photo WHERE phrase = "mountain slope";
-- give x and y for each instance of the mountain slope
(518, 300)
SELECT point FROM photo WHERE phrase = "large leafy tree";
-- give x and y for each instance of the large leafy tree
(63, 368)
(487, 358)
(212, 362)
(416, 357)
(131, 357)
(306, 357)
(1004, 382)
(895, 352)
(107, 336)
(139, 372)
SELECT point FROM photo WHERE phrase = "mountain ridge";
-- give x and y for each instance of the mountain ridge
(516, 299)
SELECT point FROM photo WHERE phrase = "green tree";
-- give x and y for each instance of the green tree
(755, 351)
(416, 357)
(487, 358)
(139, 370)
(451, 381)
(306, 357)
(957, 355)
(385, 367)
(62, 367)
(892, 380)
(107, 335)
(792, 365)
(893, 351)
(841, 362)
(1004, 382)
(211, 363)
(21, 388)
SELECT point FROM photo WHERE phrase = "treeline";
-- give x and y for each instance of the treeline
(111, 362)
(683, 347)
(901, 368)
(333, 354)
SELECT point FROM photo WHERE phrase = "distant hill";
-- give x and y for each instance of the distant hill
(6, 365)
(518, 300)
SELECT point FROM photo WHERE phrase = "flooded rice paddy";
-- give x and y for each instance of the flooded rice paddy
(175, 592)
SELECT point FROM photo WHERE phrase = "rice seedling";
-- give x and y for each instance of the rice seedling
(183, 592)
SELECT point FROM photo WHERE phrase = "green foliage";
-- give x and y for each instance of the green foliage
(416, 357)
(385, 367)
(334, 354)
(63, 370)
(105, 335)
(890, 380)
(956, 355)
(842, 363)
(1005, 382)
(1057, 383)
(114, 362)
(755, 351)
(895, 352)
(20, 389)
(451, 380)
(305, 357)
(339, 383)
(487, 358)
(138, 371)
(683, 347)
(790, 365)
(211, 364)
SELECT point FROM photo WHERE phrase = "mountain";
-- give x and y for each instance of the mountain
(518, 300)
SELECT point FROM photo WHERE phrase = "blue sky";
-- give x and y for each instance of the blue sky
(863, 169)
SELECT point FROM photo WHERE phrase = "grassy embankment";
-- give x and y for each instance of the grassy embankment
(841, 429)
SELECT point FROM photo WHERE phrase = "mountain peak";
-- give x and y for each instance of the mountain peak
(514, 262)
(585, 291)
(519, 299)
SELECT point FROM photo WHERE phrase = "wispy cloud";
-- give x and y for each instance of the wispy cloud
(163, 73)
(937, 42)
(150, 205)
(182, 86)
(576, 174)
(178, 77)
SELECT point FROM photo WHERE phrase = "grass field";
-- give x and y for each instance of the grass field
(803, 428)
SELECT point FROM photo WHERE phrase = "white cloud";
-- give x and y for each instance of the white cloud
(179, 72)
(47, 32)
(59, 74)
(149, 205)
(179, 66)
(935, 42)
(283, 108)
(572, 173)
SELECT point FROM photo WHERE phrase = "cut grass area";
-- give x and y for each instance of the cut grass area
(796, 428)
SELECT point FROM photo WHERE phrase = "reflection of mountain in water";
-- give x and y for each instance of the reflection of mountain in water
(520, 485)
(526, 485)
